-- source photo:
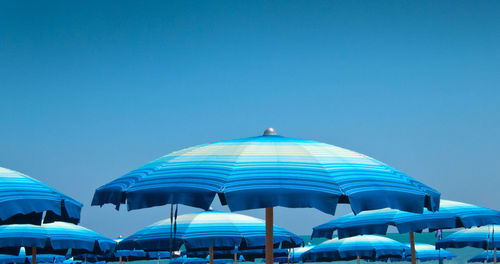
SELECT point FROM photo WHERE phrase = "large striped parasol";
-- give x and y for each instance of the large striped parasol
(23, 200)
(268, 171)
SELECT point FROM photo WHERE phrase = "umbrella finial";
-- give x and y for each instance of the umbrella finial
(270, 132)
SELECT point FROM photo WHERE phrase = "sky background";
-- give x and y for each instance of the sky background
(93, 89)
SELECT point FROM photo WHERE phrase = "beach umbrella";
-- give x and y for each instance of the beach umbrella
(23, 200)
(57, 237)
(208, 230)
(47, 258)
(426, 252)
(294, 256)
(451, 214)
(487, 256)
(8, 259)
(268, 171)
(479, 237)
(368, 247)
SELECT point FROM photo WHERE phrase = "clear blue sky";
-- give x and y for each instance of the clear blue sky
(93, 89)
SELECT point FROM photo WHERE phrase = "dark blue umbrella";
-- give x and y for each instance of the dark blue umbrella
(23, 200)
(268, 171)
(368, 247)
(487, 256)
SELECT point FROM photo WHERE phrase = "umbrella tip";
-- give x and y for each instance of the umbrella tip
(270, 132)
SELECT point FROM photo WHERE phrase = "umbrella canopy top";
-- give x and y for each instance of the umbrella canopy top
(485, 237)
(207, 229)
(54, 237)
(23, 200)
(268, 171)
(366, 247)
(451, 214)
(426, 252)
(488, 256)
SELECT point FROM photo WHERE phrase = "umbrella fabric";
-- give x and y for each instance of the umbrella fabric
(161, 254)
(7, 259)
(366, 247)
(426, 252)
(57, 236)
(47, 258)
(268, 171)
(247, 254)
(451, 214)
(182, 260)
(485, 256)
(24, 199)
(207, 229)
(479, 237)
(130, 253)
(295, 255)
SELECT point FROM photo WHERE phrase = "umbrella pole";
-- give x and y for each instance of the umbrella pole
(120, 260)
(412, 244)
(159, 258)
(359, 259)
(211, 253)
(495, 256)
(33, 255)
(236, 258)
(85, 260)
(269, 236)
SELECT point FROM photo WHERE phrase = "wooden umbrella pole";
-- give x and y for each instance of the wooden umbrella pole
(85, 260)
(236, 258)
(33, 255)
(120, 260)
(359, 259)
(412, 245)
(211, 253)
(269, 236)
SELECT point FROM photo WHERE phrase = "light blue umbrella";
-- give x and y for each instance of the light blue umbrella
(426, 252)
(268, 171)
(24, 199)
(8, 259)
(487, 256)
(55, 237)
(483, 237)
(295, 255)
(207, 229)
(368, 247)
(451, 214)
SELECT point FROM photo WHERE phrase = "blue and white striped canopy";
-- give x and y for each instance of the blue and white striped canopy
(485, 237)
(366, 247)
(451, 214)
(54, 237)
(295, 255)
(488, 256)
(207, 229)
(426, 252)
(24, 199)
(268, 171)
